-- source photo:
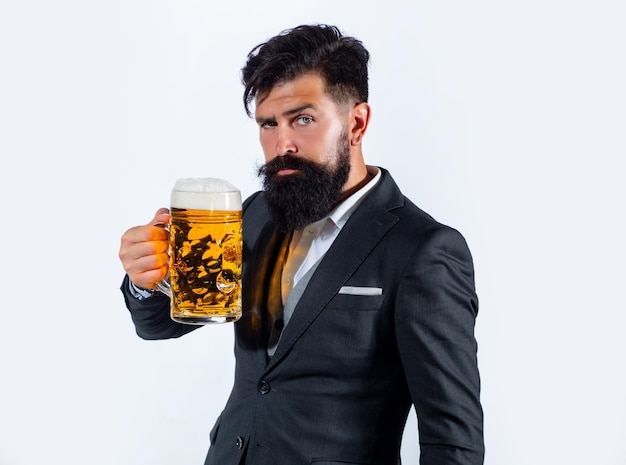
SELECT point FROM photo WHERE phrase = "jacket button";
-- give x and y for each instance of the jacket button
(264, 387)
(239, 442)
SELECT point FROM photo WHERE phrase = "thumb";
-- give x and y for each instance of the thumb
(161, 218)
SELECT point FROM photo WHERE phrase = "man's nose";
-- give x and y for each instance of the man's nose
(285, 142)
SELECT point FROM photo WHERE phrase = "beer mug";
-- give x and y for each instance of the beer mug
(205, 252)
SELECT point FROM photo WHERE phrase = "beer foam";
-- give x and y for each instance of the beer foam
(205, 194)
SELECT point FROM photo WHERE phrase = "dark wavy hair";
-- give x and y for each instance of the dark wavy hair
(340, 60)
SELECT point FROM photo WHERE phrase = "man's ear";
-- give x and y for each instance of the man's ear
(359, 118)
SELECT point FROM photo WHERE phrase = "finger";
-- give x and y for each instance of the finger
(136, 261)
(148, 279)
(135, 250)
(144, 234)
(161, 217)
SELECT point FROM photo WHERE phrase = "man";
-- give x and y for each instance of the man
(377, 301)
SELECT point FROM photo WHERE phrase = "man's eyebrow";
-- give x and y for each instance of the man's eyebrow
(261, 121)
(290, 112)
(293, 111)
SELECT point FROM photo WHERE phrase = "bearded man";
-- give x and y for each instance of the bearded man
(357, 305)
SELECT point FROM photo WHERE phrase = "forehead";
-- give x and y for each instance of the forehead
(307, 89)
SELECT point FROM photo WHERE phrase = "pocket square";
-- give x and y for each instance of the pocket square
(357, 290)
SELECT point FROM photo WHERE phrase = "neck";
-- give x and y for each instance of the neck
(348, 192)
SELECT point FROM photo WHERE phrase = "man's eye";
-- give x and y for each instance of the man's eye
(304, 120)
(268, 124)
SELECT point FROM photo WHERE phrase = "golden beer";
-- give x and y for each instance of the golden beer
(205, 253)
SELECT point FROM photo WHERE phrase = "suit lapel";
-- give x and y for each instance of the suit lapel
(360, 235)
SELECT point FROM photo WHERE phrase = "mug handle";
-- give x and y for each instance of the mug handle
(163, 286)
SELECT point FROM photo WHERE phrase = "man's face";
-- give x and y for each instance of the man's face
(304, 137)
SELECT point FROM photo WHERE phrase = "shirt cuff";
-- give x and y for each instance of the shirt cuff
(138, 293)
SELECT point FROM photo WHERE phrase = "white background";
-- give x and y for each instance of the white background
(505, 120)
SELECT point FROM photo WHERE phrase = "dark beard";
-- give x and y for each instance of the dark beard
(302, 198)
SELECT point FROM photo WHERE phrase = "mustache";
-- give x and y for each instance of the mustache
(271, 168)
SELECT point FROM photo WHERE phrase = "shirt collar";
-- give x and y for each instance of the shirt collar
(340, 214)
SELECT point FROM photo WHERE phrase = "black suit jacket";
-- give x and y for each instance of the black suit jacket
(349, 366)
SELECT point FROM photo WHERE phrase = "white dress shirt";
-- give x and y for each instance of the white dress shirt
(310, 243)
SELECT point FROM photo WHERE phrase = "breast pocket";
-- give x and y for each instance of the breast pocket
(352, 325)
(356, 302)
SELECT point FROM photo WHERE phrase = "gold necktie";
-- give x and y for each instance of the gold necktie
(274, 297)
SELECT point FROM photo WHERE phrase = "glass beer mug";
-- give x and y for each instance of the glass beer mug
(205, 252)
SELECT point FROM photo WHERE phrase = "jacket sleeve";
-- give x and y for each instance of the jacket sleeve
(436, 309)
(151, 316)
